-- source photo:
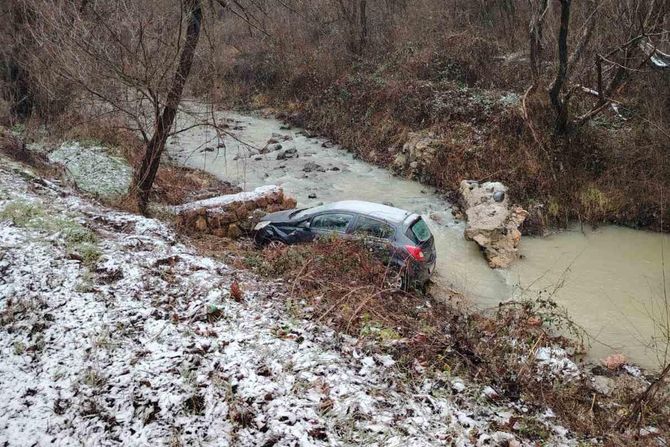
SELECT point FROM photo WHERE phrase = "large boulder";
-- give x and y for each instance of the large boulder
(492, 222)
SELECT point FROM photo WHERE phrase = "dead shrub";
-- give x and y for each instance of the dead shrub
(348, 288)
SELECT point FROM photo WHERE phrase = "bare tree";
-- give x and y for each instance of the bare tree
(614, 58)
(538, 12)
(354, 14)
(145, 175)
(126, 57)
(560, 100)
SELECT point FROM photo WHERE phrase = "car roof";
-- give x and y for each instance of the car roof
(385, 212)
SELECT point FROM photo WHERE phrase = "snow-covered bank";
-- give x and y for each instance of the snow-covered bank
(140, 343)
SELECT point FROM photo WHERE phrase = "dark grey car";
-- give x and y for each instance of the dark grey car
(400, 238)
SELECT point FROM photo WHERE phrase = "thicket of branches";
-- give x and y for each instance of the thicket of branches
(106, 60)
(585, 71)
(596, 49)
(591, 142)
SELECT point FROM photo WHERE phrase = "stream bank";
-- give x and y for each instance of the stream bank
(610, 280)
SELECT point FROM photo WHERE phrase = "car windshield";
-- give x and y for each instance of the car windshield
(420, 231)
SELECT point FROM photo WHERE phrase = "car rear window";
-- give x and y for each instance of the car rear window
(419, 231)
(372, 227)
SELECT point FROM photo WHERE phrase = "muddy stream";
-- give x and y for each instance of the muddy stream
(609, 280)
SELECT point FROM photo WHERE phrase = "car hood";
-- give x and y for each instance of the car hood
(279, 216)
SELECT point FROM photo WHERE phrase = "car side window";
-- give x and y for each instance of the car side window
(331, 222)
(374, 228)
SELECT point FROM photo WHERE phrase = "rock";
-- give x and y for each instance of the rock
(261, 202)
(312, 196)
(335, 168)
(285, 127)
(311, 167)
(614, 361)
(241, 212)
(417, 154)
(250, 152)
(603, 385)
(201, 223)
(271, 147)
(289, 203)
(457, 385)
(490, 393)
(258, 158)
(493, 225)
(220, 232)
(281, 137)
(288, 153)
(327, 144)
(207, 149)
(234, 231)
(436, 217)
(399, 162)
(226, 217)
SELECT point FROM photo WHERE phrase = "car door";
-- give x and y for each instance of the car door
(331, 223)
(376, 234)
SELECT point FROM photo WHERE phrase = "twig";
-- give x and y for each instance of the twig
(340, 301)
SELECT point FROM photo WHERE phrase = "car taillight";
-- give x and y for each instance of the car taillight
(415, 251)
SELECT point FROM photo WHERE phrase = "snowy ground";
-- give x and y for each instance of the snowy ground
(112, 333)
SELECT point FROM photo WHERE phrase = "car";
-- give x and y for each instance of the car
(400, 238)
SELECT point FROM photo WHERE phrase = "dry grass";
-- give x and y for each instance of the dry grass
(344, 286)
(15, 148)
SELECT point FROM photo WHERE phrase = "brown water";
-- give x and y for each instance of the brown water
(610, 280)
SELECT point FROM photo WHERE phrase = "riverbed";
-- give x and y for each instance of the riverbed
(609, 280)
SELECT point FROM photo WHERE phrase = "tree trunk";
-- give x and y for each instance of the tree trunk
(535, 37)
(363, 26)
(561, 105)
(146, 174)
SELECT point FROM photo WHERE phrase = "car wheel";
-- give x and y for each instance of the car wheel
(399, 280)
(395, 281)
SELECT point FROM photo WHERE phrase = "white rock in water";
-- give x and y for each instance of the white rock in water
(492, 223)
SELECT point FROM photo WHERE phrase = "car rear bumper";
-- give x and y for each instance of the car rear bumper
(420, 273)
